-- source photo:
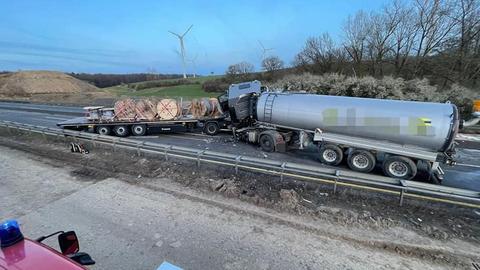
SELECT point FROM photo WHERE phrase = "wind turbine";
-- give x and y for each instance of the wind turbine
(182, 49)
(264, 50)
(194, 64)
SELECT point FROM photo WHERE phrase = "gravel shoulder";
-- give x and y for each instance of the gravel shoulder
(210, 219)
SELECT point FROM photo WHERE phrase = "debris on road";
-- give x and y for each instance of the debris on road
(290, 198)
(78, 148)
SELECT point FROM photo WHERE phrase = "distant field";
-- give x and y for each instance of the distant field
(191, 90)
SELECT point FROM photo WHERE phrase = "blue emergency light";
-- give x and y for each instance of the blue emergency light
(10, 233)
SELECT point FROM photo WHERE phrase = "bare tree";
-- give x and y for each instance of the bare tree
(320, 53)
(466, 16)
(240, 68)
(356, 29)
(404, 35)
(434, 26)
(380, 37)
(272, 63)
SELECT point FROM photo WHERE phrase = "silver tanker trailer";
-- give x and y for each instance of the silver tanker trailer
(401, 136)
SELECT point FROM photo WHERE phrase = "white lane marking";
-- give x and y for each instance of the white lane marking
(468, 165)
(150, 137)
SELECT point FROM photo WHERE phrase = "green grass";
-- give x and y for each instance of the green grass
(199, 80)
(188, 91)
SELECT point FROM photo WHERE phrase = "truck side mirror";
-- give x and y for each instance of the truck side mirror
(68, 243)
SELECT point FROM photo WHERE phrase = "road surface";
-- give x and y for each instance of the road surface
(124, 226)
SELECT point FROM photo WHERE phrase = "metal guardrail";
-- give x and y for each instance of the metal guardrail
(336, 177)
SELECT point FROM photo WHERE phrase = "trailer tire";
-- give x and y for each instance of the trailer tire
(361, 161)
(267, 143)
(211, 128)
(120, 131)
(399, 167)
(330, 154)
(139, 130)
(104, 130)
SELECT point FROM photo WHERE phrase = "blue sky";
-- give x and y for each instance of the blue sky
(132, 36)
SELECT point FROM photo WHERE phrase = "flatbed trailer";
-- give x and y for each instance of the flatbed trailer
(209, 125)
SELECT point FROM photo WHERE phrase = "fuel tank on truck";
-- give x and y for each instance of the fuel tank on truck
(427, 125)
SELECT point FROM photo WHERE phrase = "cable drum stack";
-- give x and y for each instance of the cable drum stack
(166, 109)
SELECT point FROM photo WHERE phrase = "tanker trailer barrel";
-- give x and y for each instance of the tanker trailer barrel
(427, 125)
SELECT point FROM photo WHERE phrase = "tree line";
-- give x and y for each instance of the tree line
(107, 80)
(436, 39)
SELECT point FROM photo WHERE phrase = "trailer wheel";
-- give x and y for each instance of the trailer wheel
(399, 167)
(211, 128)
(104, 130)
(120, 131)
(139, 130)
(267, 143)
(330, 154)
(361, 161)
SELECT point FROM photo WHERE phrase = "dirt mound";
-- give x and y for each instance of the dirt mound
(26, 83)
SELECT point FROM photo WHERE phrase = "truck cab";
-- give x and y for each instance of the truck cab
(239, 101)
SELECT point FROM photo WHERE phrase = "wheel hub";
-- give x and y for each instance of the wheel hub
(398, 169)
(360, 161)
(329, 155)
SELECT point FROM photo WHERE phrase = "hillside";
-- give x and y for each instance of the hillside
(174, 88)
(27, 83)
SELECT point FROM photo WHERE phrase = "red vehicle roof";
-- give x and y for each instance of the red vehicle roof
(28, 254)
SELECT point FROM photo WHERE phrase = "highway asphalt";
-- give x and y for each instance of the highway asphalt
(123, 225)
(466, 174)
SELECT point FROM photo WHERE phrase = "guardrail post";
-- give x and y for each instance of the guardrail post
(114, 145)
(9, 130)
(283, 169)
(199, 154)
(94, 142)
(237, 160)
(139, 153)
(337, 175)
(401, 197)
(166, 152)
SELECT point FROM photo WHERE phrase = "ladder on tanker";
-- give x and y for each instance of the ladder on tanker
(267, 110)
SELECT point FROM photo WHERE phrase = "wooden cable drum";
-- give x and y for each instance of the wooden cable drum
(125, 109)
(206, 107)
(196, 108)
(216, 108)
(145, 110)
(168, 109)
